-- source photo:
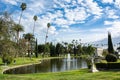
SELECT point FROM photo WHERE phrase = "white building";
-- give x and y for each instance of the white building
(99, 52)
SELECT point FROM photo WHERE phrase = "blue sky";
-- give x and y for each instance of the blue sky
(88, 20)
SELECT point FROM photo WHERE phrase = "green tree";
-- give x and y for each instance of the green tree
(90, 50)
(110, 44)
(23, 7)
(7, 47)
(41, 48)
(36, 49)
(58, 49)
(52, 50)
(17, 28)
(29, 37)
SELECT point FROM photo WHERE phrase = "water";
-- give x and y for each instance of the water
(50, 65)
(68, 58)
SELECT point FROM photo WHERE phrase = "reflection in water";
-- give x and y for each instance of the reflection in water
(51, 65)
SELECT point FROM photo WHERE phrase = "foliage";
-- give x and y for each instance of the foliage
(52, 50)
(59, 49)
(7, 59)
(7, 46)
(40, 48)
(90, 50)
(23, 6)
(111, 58)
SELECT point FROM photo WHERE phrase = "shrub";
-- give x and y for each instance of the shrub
(111, 58)
(7, 59)
(101, 66)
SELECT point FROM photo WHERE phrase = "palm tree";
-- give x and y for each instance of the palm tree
(29, 37)
(35, 19)
(18, 28)
(23, 7)
(48, 26)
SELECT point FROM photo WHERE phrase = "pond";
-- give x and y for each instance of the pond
(50, 65)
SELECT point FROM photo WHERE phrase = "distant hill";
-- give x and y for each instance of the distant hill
(115, 40)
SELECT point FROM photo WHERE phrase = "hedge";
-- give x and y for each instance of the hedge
(106, 66)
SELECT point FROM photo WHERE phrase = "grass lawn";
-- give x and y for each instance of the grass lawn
(82, 74)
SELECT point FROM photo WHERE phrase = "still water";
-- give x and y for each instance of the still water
(50, 65)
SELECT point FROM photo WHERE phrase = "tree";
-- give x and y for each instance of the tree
(48, 26)
(52, 50)
(58, 49)
(45, 46)
(29, 38)
(110, 44)
(23, 7)
(90, 50)
(40, 48)
(35, 19)
(36, 49)
(17, 28)
(7, 47)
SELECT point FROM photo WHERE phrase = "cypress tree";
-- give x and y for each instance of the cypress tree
(110, 44)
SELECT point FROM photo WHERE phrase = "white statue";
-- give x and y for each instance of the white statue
(93, 67)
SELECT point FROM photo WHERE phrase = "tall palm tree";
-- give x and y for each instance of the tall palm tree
(23, 7)
(48, 26)
(35, 19)
(29, 37)
(18, 28)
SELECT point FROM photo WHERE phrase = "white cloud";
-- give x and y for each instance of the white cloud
(13, 2)
(117, 3)
(93, 8)
(111, 13)
(113, 27)
(107, 23)
(107, 1)
(78, 14)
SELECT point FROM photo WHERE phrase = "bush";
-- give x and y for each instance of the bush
(101, 66)
(7, 59)
(111, 58)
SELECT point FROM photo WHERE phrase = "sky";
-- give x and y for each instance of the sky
(85, 20)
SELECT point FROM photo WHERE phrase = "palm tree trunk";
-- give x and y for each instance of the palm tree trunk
(46, 36)
(34, 28)
(45, 42)
(17, 37)
(20, 17)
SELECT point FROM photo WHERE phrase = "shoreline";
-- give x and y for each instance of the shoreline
(27, 64)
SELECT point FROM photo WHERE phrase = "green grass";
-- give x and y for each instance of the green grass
(82, 74)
